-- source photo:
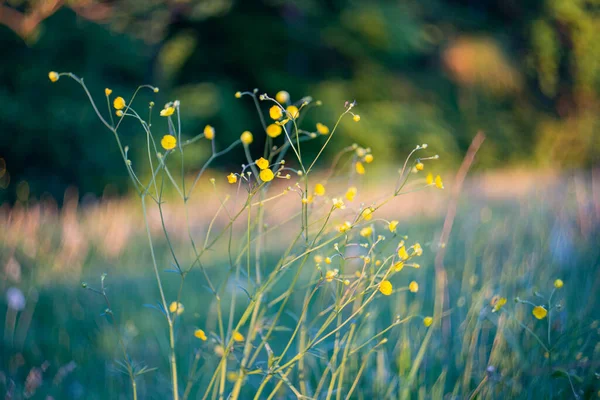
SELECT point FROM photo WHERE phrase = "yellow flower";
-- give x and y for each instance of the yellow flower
(367, 214)
(345, 227)
(119, 103)
(393, 225)
(429, 179)
(307, 200)
(351, 193)
(232, 178)
(247, 137)
(274, 130)
(438, 182)
(427, 321)
(209, 132)
(322, 129)
(417, 266)
(167, 111)
(417, 249)
(360, 168)
(361, 152)
(275, 112)
(232, 376)
(319, 189)
(419, 166)
(318, 259)
(413, 287)
(53, 76)
(282, 96)
(168, 142)
(266, 175)
(293, 112)
(366, 232)
(238, 337)
(402, 253)
(238, 95)
(107, 92)
(199, 333)
(539, 312)
(338, 203)
(498, 303)
(119, 113)
(262, 163)
(330, 275)
(176, 308)
(356, 118)
(398, 266)
(385, 287)
(369, 158)
(558, 283)
(327, 260)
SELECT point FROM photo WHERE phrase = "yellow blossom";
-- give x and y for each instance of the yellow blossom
(176, 308)
(369, 158)
(413, 287)
(262, 163)
(293, 112)
(119, 103)
(107, 92)
(351, 193)
(427, 321)
(402, 253)
(209, 132)
(438, 182)
(266, 175)
(498, 302)
(345, 227)
(274, 130)
(539, 312)
(322, 129)
(361, 152)
(53, 76)
(238, 337)
(119, 113)
(319, 189)
(385, 287)
(167, 111)
(417, 266)
(275, 112)
(417, 249)
(168, 142)
(356, 118)
(199, 333)
(318, 259)
(558, 283)
(232, 178)
(238, 95)
(393, 225)
(429, 179)
(246, 137)
(282, 96)
(399, 266)
(338, 203)
(360, 168)
(419, 166)
(307, 200)
(330, 275)
(232, 376)
(327, 260)
(366, 232)
(367, 214)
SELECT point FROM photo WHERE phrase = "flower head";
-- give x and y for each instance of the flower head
(360, 168)
(402, 253)
(345, 227)
(238, 337)
(369, 158)
(418, 249)
(497, 303)
(367, 214)
(338, 203)
(330, 275)
(558, 283)
(318, 259)
(199, 333)
(238, 95)
(119, 103)
(419, 166)
(209, 132)
(168, 142)
(282, 96)
(262, 163)
(539, 312)
(176, 308)
(266, 175)
(293, 112)
(351, 193)
(53, 76)
(232, 178)
(246, 137)
(366, 231)
(107, 92)
(427, 321)
(386, 288)
(438, 182)
(413, 287)
(319, 189)
(322, 129)
(168, 111)
(429, 179)
(356, 117)
(393, 225)
(275, 112)
(399, 266)
(274, 130)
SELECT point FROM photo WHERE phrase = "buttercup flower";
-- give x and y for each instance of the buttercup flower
(293, 112)
(413, 287)
(393, 225)
(345, 227)
(53, 76)
(558, 283)
(367, 214)
(262, 163)
(199, 333)
(330, 275)
(427, 321)
(497, 303)
(338, 203)
(438, 182)
(539, 312)
(238, 95)
(238, 337)
(429, 179)
(168, 142)
(386, 288)
(319, 189)
(419, 166)
(107, 92)
(176, 308)
(418, 249)
(318, 259)
(275, 112)
(369, 158)
(360, 168)
(356, 118)
(246, 137)
(167, 111)
(282, 97)
(209, 132)
(402, 253)
(266, 175)
(366, 232)
(399, 266)
(351, 193)
(322, 129)
(327, 260)
(232, 178)
(274, 130)
(119, 103)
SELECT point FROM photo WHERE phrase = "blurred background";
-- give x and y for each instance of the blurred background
(527, 73)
